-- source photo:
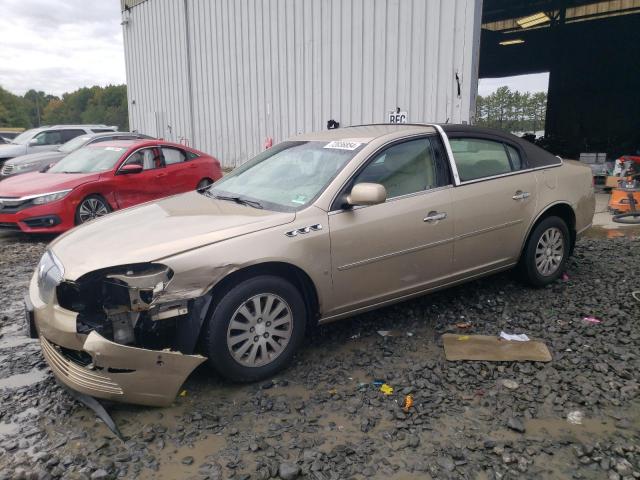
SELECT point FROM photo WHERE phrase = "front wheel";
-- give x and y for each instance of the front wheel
(255, 329)
(546, 252)
(91, 207)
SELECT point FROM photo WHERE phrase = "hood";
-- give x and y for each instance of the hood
(153, 231)
(53, 156)
(10, 150)
(35, 183)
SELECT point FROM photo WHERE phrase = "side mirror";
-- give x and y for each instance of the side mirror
(131, 168)
(367, 194)
(33, 141)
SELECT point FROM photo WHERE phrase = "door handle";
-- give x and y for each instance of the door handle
(520, 195)
(160, 175)
(434, 216)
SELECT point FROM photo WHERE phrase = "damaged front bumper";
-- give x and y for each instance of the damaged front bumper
(96, 366)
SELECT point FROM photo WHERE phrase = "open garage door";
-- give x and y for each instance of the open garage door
(591, 51)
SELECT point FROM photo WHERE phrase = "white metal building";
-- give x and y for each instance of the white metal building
(224, 75)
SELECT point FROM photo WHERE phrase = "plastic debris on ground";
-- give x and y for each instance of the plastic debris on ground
(565, 277)
(355, 337)
(575, 417)
(463, 338)
(408, 403)
(333, 391)
(183, 393)
(591, 320)
(378, 383)
(386, 389)
(514, 337)
(510, 384)
(394, 333)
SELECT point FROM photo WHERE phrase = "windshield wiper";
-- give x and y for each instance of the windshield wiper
(238, 200)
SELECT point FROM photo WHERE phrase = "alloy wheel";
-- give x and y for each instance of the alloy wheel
(92, 208)
(260, 330)
(549, 251)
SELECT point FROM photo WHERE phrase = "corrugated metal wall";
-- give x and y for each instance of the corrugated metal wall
(226, 74)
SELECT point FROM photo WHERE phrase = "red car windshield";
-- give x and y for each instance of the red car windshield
(89, 160)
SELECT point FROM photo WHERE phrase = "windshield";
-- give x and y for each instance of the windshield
(89, 160)
(24, 137)
(74, 144)
(287, 176)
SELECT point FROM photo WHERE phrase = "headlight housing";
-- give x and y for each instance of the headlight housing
(23, 166)
(50, 197)
(50, 275)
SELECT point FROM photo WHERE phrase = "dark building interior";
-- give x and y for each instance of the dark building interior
(591, 50)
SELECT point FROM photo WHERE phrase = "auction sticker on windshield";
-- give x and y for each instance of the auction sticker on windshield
(343, 145)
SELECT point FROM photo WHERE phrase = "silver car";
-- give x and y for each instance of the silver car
(38, 161)
(44, 139)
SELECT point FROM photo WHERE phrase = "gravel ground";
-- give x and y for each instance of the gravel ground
(324, 419)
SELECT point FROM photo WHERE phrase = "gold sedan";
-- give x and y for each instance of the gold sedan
(315, 229)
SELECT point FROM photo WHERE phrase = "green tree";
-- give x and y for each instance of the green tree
(12, 110)
(512, 110)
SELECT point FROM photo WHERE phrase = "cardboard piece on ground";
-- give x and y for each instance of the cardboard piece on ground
(491, 349)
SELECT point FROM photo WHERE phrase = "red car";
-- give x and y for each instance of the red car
(100, 178)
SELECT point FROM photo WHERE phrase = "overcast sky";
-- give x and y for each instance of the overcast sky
(537, 82)
(60, 45)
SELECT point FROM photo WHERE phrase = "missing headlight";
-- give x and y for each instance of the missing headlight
(136, 290)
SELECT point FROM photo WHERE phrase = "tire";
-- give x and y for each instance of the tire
(204, 183)
(546, 252)
(244, 347)
(91, 207)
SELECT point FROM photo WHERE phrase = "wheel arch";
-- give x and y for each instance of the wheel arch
(91, 193)
(297, 276)
(560, 209)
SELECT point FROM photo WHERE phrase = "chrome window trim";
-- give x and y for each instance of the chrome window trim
(447, 147)
(509, 174)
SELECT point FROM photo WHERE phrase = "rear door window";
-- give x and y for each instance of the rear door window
(478, 158)
(71, 133)
(173, 155)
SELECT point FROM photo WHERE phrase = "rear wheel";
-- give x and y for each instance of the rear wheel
(91, 207)
(204, 183)
(546, 252)
(255, 328)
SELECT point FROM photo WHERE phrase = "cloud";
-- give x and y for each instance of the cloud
(59, 46)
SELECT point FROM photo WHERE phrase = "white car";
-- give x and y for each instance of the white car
(45, 139)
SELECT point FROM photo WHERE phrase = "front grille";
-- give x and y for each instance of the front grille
(13, 204)
(65, 367)
(9, 226)
(8, 169)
